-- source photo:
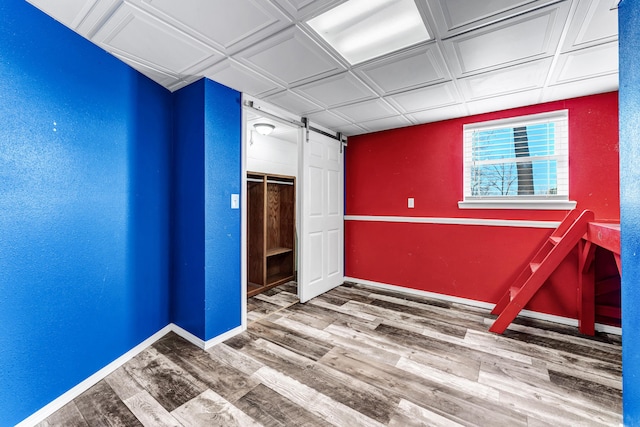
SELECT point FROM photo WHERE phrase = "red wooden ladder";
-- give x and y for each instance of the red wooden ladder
(544, 262)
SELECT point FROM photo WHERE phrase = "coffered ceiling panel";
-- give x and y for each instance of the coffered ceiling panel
(291, 101)
(386, 123)
(291, 58)
(158, 76)
(235, 75)
(366, 111)
(95, 17)
(457, 16)
(253, 21)
(302, 9)
(69, 12)
(516, 40)
(337, 90)
(434, 96)
(573, 89)
(594, 22)
(351, 130)
(179, 84)
(530, 75)
(483, 55)
(586, 63)
(328, 119)
(497, 103)
(413, 68)
(437, 114)
(137, 35)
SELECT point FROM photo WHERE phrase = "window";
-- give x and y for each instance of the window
(521, 162)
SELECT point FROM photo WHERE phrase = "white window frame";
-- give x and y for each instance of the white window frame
(561, 143)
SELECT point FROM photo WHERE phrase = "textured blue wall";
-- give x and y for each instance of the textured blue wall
(223, 124)
(629, 41)
(149, 198)
(205, 296)
(187, 292)
(84, 202)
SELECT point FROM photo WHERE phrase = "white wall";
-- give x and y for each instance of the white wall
(272, 155)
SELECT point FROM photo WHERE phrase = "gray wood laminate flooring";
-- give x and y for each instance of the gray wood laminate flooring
(360, 356)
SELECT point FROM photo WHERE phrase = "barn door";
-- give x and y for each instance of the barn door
(322, 223)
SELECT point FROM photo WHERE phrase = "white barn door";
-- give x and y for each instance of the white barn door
(322, 216)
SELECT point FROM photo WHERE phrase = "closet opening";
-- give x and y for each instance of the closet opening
(271, 162)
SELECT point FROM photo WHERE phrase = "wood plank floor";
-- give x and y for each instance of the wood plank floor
(360, 356)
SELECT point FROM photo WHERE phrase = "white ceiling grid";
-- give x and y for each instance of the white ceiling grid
(484, 56)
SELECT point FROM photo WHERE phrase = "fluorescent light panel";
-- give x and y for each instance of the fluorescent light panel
(365, 29)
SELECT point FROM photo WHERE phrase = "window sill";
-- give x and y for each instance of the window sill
(565, 205)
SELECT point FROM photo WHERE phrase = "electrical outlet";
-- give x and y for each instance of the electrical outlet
(410, 203)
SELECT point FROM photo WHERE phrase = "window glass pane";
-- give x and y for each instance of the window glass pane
(541, 139)
(513, 179)
(545, 177)
(494, 180)
(492, 144)
(499, 143)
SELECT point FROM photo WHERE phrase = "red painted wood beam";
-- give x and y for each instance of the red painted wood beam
(606, 235)
(586, 288)
(618, 263)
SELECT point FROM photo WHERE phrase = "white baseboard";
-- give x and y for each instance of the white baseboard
(85, 385)
(410, 291)
(187, 335)
(89, 382)
(481, 304)
(608, 329)
(205, 345)
(223, 337)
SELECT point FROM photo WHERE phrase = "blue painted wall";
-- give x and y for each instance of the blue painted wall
(84, 209)
(205, 297)
(629, 42)
(223, 140)
(187, 291)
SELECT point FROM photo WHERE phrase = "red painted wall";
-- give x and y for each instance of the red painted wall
(425, 162)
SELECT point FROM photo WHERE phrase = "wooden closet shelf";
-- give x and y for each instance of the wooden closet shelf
(279, 278)
(278, 251)
(271, 217)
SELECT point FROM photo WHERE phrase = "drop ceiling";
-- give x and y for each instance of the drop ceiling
(483, 56)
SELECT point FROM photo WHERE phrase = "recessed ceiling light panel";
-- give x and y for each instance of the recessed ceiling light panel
(365, 29)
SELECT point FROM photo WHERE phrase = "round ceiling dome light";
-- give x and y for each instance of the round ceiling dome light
(264, 128)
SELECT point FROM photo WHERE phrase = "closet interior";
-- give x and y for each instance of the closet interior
(270, 231)
(272, 168)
